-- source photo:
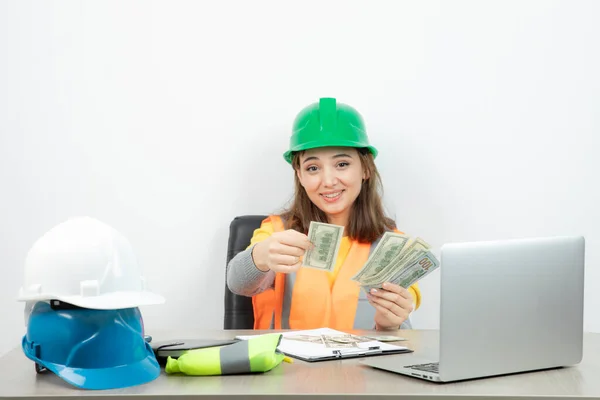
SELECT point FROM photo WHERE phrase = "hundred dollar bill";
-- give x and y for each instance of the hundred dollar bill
(390, 245)
(406, 257)
(343, 341)
(420, 268)
(306, 338)
(413, 251)
(326, 238)
(417, 270)
(400, 264)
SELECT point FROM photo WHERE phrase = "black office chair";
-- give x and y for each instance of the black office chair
(238, 309)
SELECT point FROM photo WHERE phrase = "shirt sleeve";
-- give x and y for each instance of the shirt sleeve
(416, 294)
(243, 277)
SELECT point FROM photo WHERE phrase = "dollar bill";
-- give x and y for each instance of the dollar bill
(411, 273)
(412, 252)
(326, 238)
(386, 338)
(390, 246)
(342, 341)
(420, 268)
(333, 341)
(306, 338)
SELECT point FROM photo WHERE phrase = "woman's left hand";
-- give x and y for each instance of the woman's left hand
(393, 305)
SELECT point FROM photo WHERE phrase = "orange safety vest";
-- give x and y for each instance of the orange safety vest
(314, 304)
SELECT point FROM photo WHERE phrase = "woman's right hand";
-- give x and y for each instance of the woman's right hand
(281, 251)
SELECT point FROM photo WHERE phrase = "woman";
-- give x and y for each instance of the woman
(336, 181)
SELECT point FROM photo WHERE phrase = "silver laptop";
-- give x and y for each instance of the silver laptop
(505, 307)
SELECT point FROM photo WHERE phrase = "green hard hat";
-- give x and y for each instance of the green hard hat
(328, 123)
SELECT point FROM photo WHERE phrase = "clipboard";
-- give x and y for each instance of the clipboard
(307, 346)
(341, 354)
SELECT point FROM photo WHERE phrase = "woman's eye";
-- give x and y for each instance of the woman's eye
(312, 168)
(343, 164)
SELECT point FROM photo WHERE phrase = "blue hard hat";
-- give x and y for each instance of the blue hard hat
(90, 349)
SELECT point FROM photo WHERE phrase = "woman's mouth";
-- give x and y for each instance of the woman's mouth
(331, 197)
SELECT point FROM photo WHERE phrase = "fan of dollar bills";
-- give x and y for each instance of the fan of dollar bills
(397, 258)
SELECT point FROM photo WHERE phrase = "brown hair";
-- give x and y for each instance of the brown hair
(367, 220)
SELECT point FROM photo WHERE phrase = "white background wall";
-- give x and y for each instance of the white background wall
(167, 119)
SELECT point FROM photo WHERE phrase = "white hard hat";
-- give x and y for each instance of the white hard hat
(85, 262)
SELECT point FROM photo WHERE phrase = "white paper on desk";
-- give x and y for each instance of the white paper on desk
(317, 351)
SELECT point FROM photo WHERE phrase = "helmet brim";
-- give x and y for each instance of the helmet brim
(288, 155)
(122, 376)
(108, 301)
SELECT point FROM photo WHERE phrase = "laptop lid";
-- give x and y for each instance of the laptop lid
(510, 306)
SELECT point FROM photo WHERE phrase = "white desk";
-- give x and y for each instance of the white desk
(321, 380)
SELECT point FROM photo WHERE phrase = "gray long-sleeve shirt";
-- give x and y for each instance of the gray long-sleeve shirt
(244, 278)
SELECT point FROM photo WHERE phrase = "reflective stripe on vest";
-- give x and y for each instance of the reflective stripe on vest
(363, 318)
(345, 306)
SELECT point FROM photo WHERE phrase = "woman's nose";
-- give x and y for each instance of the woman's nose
(329, 177)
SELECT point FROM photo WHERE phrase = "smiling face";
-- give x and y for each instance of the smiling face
(332, 178)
